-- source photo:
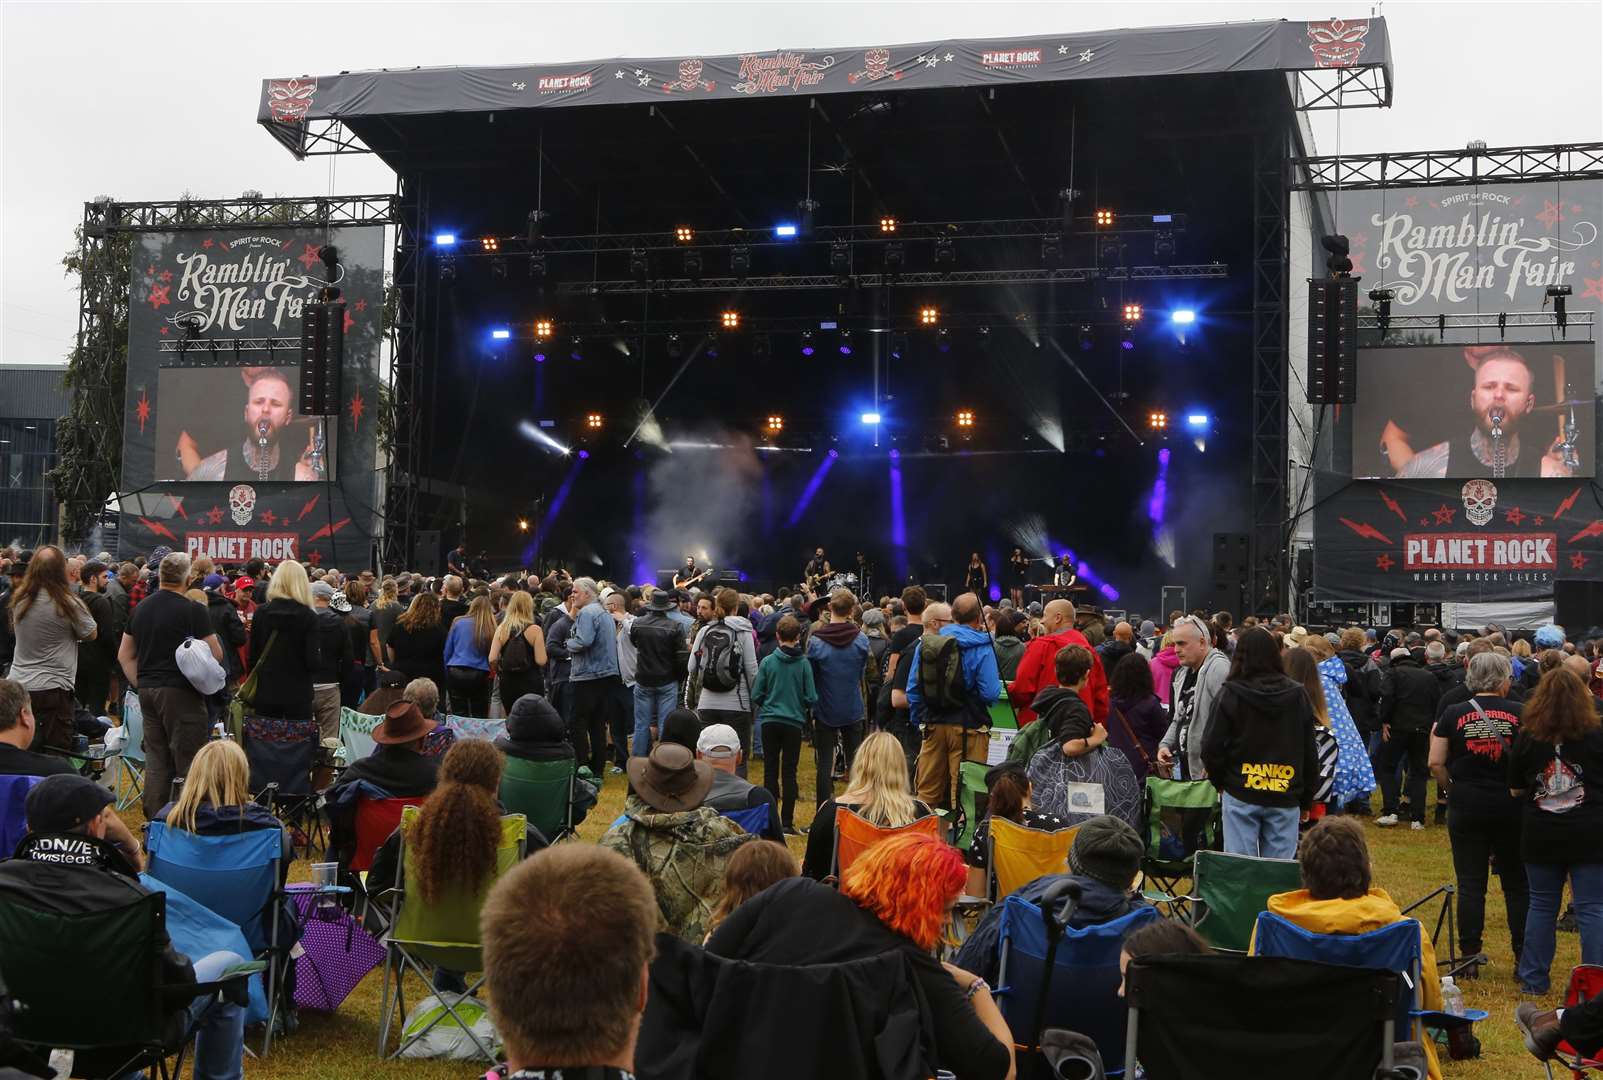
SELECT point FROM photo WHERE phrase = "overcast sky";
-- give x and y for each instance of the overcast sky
(146, 101)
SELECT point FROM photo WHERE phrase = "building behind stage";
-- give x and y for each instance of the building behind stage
(32, 400)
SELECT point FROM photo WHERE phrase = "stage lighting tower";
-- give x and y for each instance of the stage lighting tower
(1557, 294)
(929, 315)
(776, 424)
(1104, 219)
(543, 328)
(1132, 313)
(965, 418)
(684, 234)
(729, 320)
(593, 421)
(887, 224)
(1382, 299)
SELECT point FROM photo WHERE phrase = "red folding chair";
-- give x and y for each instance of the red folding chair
(1586, 983)
(376, 819)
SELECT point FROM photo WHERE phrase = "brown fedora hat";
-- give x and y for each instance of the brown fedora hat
(671, 779)
(402, 723)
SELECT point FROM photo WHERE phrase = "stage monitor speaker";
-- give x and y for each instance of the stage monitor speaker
(1579, 606)
(1231, 556)
(426, 553)
(1332, 341)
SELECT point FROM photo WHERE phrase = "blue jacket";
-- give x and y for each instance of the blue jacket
(839, 653)
(460, 650)
(594, 644)
(980, 676)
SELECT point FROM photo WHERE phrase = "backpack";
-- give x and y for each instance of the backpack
(1033, 736)
(940, 674)
(720, 658)
(516, 656)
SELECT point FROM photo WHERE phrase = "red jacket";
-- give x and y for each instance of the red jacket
(1038, 670)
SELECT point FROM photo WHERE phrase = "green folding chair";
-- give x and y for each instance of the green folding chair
(971, 795)
(1179, 818)
(1228, 892)
(442, 934)
(1002, 713)
(541, 791)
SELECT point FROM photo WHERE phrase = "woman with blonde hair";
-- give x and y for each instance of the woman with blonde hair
(518, 651)
(877, 791)
(416, 645)
(215, 799)
(467, 659)
(386, 609)
(284, 643)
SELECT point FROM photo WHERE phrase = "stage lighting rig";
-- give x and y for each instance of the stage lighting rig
(1127, 337)
(1163, 246)
(1382, 299)
(544, 328)
(1132, 313)
(1110, 251)
(537, 266)
(804, 225)
(845, 346)
(943, 340)
(639, 265)
(594, 421)
(693, 264)
(576, 349)
(840, 261)
(807, 343)
(984, 335)
(191, 325)
(895, 256)
(490, 244)
(729, 320)
(1158, 421)
(1557, 294)
(887, 224)
(1051, 248)
(444, 239)
(1104, 219)
(965, 418)
(945, 254)
(1336, 259)
(1066, 197)
(498, 267)
(1087, 337)
(929, 315)
(675, 347)
(776, 424)
(740, 260)
(536, 226)
(684, 234)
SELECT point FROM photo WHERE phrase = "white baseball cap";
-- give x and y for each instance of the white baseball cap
(718, 740)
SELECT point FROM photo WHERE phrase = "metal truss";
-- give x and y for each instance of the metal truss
(1433, 168)
(316, 138)
(205, 352)
(911, 279)
(910, 327)
(1268, 548)
(1363, 86)
(106, 216)
(407, 368)
(1482, 320)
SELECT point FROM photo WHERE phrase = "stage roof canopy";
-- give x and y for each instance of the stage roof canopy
(1339, 63)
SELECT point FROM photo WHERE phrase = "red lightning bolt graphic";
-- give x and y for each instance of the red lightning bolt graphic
(307, 509)
(1391, 504)
(178, 505)
(1566, 504)
(1594, 529)
(326, 531)
(158, 528)
(1366, 530)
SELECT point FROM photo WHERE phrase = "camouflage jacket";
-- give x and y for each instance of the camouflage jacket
(684, 856)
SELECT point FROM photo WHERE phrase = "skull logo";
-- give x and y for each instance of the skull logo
(1480, 499)
(289, 100)
(242, 503)
(1337, 43)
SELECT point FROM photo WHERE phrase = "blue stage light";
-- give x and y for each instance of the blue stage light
(501, 334)
(1197, 420)
(445, 239)
(1183, 315)
(584, 455)
(785, 232)
(870, 418)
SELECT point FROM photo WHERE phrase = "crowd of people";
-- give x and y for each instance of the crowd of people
(676, 696)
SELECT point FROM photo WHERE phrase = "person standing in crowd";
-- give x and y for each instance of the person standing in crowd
(1165, 662)
(467, 659)
(333, 662)
(782, 693)
(1259, 751)
(1018, 575)
(662, 656)
(1197, 682)
(518, 651)
(1361, 691)
(175, 718)
(386, 609)
(593, 677)
(452, 606)
(351, 606)
(416, 644)
(1038, 668)
(1470, 748)
(951, 702)
(97, 657)
(1355, 777)
(229, 627)
(48, 622)
(1136, 718)
(723, 659)
(286, 645)
(1556, 771)
(1117, 647)
(891, 709)
(845, 675)
(621, 709)
(1009, 646)
(1409, 698)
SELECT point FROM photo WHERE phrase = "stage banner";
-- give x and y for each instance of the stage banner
(1476, 540)
(217, 460)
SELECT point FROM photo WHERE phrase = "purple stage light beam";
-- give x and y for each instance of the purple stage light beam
(898, 518)
(561, 496)
(812, 487)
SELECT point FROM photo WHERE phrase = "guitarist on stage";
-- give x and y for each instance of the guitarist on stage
(691, 574)
(817, 569)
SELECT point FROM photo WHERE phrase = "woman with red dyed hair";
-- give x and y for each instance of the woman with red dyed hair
(896, 896)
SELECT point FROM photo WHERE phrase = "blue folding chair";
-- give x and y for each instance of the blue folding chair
(1071, 982)
(237, 877)
(754, 819)
(13, 816)
(128, 779)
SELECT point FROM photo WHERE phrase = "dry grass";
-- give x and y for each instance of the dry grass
(342, 1045)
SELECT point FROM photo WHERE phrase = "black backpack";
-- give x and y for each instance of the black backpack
(720, 658)
(516, 656)
(940, 674)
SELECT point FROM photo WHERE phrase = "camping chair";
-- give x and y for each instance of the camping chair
(1394, 948)
(376, 819)
(236, 877)
(972, 796)
(356, 733)
(1448, 962)
(1002, 713)
(1017, 855)
(13, 811)
(1204, 1017)
(45, 959)
(753, 819)
(1179, 818)
(1586, 982)
(854, 834)
(541, 791)
(1229, 891)
(442, 934)
(128, 777)
(1051, 975)
(282, 754)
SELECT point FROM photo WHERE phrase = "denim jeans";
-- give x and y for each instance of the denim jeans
(219, 1026)
(652, 706)
(1269, 832)
(1547, 892)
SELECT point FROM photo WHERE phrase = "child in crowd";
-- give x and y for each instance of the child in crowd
(783, 692)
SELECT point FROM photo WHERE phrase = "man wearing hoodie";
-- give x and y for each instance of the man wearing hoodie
(956, 726)
(783, 693)
(662, 655)
(1259, 752)
(846, 677)
(1037, 668)
(723, 663)
(1195, 688)
(1410, 698)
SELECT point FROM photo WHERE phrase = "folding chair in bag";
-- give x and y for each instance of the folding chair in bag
(45, 959)
(1228, 892)
(972, 796)
(356, 733)
(128, 764)
(1206, 1017)
(1179, 818)
(443, 934)
(855, 834)
(1052, 975)
(541, 791)
(1586, 982)
(1017, 855)
(13, 811)
(282, 754)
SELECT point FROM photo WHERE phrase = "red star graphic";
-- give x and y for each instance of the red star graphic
(1594, 287)
(361, 305)
(1551, 214)
(357, 408)
(1577, 560)
(142, 410)
(1411, 202)
(1424, 521)
(165, 276)
(268, 517)
(1384, 562)
(214, 515)
(1537, 520)
(1360, 240)
(1444, 514)
(350, 321)
(206, 243)
(158, 296)
(315, 557)
(1358, 261)
(164, 331)
(308, 258)
(1514, 516)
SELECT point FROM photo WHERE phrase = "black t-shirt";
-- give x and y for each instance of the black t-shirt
(1477, 749)
(1563, 785)
(18, 762)
(159, 625)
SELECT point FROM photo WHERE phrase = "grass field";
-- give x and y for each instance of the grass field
(342, 1045)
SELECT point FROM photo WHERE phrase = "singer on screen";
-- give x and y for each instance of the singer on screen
(259, 454)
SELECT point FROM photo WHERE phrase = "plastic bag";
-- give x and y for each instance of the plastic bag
(446, 1039)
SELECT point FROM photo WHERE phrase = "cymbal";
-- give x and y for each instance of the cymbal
(1557, 405)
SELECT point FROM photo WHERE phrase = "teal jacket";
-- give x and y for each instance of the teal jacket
(784, 689)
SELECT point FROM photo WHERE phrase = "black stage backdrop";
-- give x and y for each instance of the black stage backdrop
(1468, 249)
(245, 284)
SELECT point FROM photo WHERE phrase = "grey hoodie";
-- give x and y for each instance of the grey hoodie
(738, 699)
(1210, 677)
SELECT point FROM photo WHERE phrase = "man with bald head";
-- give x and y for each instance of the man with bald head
(1117, 647)
(1037, 667)
(955, 730)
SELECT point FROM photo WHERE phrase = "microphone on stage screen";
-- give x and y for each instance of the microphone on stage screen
(1497, 423)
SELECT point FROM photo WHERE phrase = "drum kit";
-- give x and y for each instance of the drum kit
(841, 580)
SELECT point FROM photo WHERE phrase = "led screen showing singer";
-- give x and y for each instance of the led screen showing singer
(201, 436)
